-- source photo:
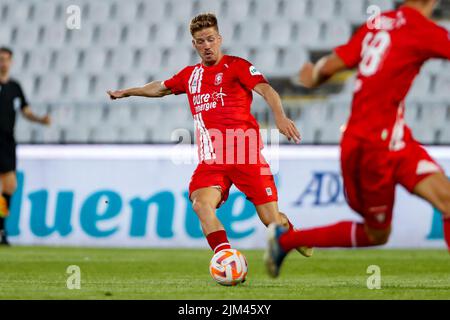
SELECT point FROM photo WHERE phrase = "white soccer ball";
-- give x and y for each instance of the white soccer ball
(228, 267)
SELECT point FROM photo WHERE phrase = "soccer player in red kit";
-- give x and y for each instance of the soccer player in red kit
(219, 90)
(378, 150)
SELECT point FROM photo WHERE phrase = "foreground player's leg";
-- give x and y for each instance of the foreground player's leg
(269, 213)
(9, 185)
(436, 190)
(204, 203)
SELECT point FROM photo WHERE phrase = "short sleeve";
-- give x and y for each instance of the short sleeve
(438, 44)
(350, 53)
(248, 75)
(23, 99)
(176, 84)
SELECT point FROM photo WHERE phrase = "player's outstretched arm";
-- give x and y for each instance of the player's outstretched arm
(313, 75)
(154, 89)
(29, 115)
(284, 124)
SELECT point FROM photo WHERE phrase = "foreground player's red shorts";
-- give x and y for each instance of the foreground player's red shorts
(371, 174)
(248, 178)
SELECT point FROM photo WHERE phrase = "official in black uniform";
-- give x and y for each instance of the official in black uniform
(12, 99)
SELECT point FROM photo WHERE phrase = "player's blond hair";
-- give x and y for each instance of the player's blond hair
(203, 21)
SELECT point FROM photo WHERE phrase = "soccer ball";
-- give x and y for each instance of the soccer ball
(228, 267)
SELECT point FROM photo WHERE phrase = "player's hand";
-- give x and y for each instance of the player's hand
(118, 94)
(287, 127)
(46, 120)
(306, 75)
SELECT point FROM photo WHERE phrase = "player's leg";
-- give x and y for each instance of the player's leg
(436, 190)
(208, 189)
(422, 176)
(204, 203)
(8, 187)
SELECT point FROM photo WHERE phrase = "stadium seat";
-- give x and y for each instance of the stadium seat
(180, 10)
(97, 11)
(63, 115)
(27, 36)
(166, 35)
(109, 35)
(295, 10)
(49, 88)
(90, 115)
(137, 35)
(67, 60)
(266, 60)
(93, 60)
(133, 134)
(249, 33)
(77, 87)
(149, 60)
(124, 11)
(420, 87)
(280, 33)
(442, 85)
(44, 12)
(105, 133)
(47, 134)
(123, 59)
(178, 58)
(153, 12)
(337, 32)
(5, 35)
(37, 60)
(22, 130)
(353, 11)
(54, 36)
(81, 38)
(16, 11)
(292, 58)
(216, 6)
(237, 10)
(323, 9)
(267, 10)
(102, 83)
(308, 33)
(118, 113)
(384, 5)
(79, 133)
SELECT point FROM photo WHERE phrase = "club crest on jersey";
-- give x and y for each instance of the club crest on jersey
(219, 78)
(254, 71)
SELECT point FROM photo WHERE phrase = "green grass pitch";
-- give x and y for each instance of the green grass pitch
(40, 273)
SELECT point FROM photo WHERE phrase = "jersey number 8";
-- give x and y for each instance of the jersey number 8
(374, 47)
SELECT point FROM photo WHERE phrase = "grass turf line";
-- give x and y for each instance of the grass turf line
(40, 273)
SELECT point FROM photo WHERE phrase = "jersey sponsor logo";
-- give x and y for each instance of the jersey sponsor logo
(206, 101)
(219, 78)
(195, 80)
(254, 71)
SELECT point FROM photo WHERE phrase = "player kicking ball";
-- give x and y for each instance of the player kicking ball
(378, 150)
(219, 90)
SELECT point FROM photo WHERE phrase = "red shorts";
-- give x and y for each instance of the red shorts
(254, 180)
(371, 174)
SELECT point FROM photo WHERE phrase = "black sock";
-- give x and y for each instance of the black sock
(2, 223)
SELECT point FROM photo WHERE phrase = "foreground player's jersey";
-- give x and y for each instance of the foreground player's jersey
(220, 97)
(389, 56)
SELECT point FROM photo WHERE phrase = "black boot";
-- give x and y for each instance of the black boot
(3, 238)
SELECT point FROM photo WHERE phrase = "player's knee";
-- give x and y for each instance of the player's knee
(378, 237)
(9, 187)
(201, 206)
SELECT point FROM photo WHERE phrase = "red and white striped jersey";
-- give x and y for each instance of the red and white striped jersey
(220, 97)
(389, 56)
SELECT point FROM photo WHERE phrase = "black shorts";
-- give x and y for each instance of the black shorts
(7, 154)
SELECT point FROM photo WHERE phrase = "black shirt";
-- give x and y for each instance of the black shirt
(11, 100)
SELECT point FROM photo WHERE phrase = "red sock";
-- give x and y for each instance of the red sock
(218, 241)
(343, 234)
(447, 232)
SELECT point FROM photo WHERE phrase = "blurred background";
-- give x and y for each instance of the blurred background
(129, 43)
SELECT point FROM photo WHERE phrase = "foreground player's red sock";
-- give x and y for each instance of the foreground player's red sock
(342, 234)
(447, 232)
(218, 240)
